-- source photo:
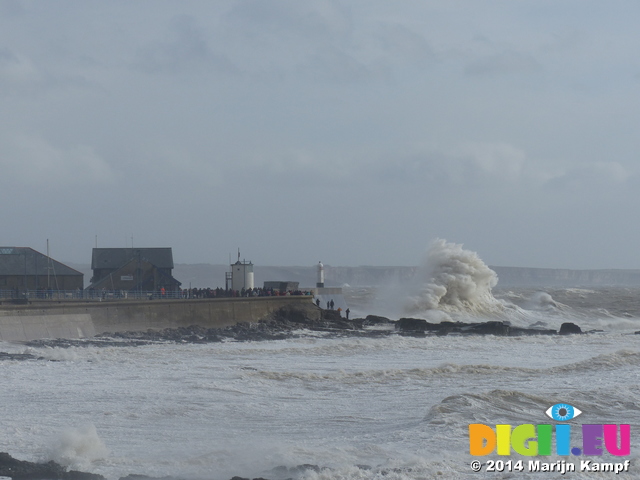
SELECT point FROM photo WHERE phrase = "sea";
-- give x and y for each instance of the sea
(339, 407)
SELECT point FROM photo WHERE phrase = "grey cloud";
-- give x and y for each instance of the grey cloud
(30, 160)
(186, 50)
(307, 21)
(465, 166)
(498, 160)
(431, 171)
(320, 42)
(334, 65)
(591, 176)
(294, 40)
(403, 45)
(503, 63)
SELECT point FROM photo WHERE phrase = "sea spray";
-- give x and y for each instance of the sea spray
(454, 280)
(78, 447)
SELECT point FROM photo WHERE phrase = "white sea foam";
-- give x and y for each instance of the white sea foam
(542, 301)
(454, 280)
(78, 447)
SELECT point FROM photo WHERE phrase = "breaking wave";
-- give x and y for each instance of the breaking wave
(607, 361)
(455, 280)
(389, 375)
(482, 407)
(596, 364)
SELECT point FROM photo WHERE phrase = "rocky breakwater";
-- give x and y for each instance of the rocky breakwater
(298, 320)
(420, 327)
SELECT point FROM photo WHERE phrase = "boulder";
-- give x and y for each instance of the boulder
(376, 320)
(490, 328)
(446, 327)
(568, 328)
(331, 315)
(412, 325)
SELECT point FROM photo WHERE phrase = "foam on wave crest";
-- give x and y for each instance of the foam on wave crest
(393, 374)
(605, 361)
(468, 408)
(455, 280)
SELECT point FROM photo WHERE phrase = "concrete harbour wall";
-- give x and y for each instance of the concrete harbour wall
(86, 319)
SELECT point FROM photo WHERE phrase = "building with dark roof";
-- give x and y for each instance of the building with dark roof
(133, 269)
(23, 268)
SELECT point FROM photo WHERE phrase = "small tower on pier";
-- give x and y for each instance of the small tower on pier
(241, 275)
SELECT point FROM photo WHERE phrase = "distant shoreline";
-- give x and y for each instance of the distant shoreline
(203, 275)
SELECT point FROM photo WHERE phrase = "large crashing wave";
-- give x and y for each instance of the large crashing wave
(455, 281)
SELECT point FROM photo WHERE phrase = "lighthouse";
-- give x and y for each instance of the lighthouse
(320, 278)
(330, 298)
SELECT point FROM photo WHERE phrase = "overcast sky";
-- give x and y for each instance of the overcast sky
(351, 132)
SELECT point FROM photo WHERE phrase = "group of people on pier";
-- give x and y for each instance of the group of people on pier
(250, 292)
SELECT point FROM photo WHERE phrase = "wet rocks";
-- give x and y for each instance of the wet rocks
(371, 320)
(18, 356)
(23, 470)
(281, 324)
(412, 325)
(420, 327)
(568, 328)
(277, 473)
(85, 342)
(516, 331)
(489, 328)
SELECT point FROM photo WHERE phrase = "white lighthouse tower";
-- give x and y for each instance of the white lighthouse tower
(320, 278)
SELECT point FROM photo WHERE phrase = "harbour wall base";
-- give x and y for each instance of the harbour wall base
(74, 320)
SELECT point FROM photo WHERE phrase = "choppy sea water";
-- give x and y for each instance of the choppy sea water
(393, 407)
(399, 405)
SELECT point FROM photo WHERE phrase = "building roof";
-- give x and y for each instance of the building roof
(113, 258)
(146, 282)
(27, 261)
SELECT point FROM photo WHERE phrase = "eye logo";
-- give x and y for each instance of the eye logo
(537, 440)
(561, 412)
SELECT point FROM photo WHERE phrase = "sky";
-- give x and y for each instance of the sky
(348, 132)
